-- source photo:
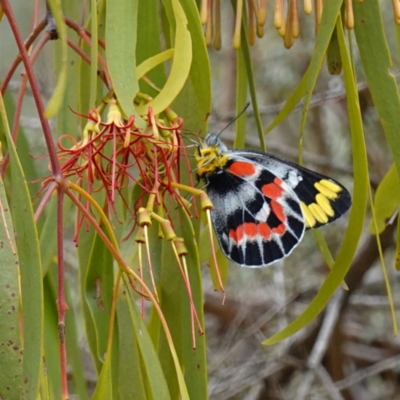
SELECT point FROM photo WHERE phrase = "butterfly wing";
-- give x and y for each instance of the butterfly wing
(322, 199)
(257, 216)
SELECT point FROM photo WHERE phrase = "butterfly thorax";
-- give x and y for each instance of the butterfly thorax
(212, 157)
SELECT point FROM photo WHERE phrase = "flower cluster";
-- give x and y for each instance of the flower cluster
(286, 19)
(114, 152)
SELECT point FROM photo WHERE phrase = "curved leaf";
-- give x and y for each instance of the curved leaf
(152, 62)
(371, 40)
(180, 65)
(387, 200)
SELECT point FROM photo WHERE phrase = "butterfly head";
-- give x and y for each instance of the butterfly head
(212, 156)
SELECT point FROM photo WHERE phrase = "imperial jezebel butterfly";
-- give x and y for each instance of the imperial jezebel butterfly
(262, 203)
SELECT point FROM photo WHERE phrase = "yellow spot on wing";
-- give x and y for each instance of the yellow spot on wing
(325, 205)
(310, 220)
(318, 213)
(331, 185)
(325, 191)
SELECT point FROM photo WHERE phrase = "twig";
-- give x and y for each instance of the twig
(367, 372)
(321, 344)
(328, 384)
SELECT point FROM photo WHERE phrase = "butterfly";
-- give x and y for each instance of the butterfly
(262, 204)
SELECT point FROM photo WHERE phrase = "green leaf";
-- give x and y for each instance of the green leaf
(29, 165)
(149, 44)
(387, 200)
(121, 27)
(222, 265)
(30, 268)
(371, 40)
(67, 120)
(99, 279)
(85, 244)
(94, 52)
(333, 59)
(56, 100)
(136, 345)
(51, 341)
(180, 65)
(174, 301)
(74, 349)
(245, 50)
(291, 102)
(48, 241)
(130, 378)
(10, 334)
(194, 360)
(330, 15)
(104, 387)
(241, 99)
(152, 62)
(194, 102)
(397, 259)
(84, 87)
(204, 248)
(137, 355)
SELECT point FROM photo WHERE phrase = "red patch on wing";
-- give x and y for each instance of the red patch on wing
(280, 229)
(242, 168)
(278, 211)
(264, 230)
(272, 190)
(248, 228)
(251, 230)
(239, 233)
(233, 235)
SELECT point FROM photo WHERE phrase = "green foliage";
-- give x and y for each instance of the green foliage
(135, 300)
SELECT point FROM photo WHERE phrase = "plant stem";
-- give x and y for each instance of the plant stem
(55, 165)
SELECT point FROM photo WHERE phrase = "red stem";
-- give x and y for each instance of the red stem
(55, 166)
(56, 171)
(18, 59)
(87, 39)
(85, 58)
(52, 186)
(20, 99)
(117, 256)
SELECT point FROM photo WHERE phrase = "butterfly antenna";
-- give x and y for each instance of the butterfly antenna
(195, 142)
(234, 119)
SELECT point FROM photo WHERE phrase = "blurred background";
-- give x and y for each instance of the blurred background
(349, 352)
